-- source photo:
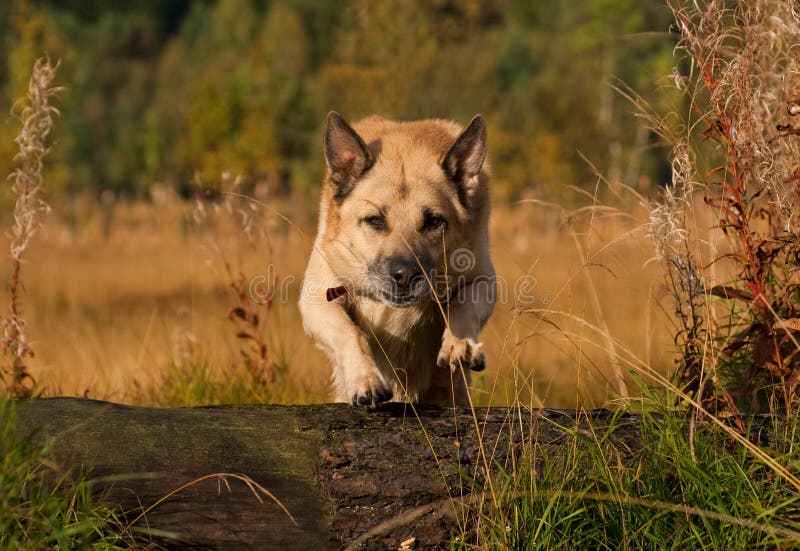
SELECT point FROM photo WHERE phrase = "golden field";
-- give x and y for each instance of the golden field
(128, 302)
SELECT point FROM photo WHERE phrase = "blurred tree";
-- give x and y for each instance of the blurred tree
(383, 53)
(164, 90)
(30, 33)
(238, 105)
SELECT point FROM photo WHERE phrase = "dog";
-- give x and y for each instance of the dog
(400, 281)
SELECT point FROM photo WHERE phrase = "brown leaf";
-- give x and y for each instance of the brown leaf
(786, 130)
(237, 312)
(742, 338)
(724, 291)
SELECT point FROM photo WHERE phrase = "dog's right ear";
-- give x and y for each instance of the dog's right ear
(346, 154)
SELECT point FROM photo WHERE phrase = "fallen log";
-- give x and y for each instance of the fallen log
(328, 476)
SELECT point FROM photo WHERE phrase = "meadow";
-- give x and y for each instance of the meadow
(128, 301)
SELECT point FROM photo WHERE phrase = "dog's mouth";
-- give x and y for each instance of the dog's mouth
(402, 296)
(393, 291)
(401, 300)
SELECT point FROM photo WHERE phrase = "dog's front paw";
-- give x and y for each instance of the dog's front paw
(466, 353)
(369, 390)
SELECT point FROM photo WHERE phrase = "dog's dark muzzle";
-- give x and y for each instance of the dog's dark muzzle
(405, 281)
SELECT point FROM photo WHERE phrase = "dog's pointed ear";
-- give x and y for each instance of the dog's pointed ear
(464, 159)
(346, 154)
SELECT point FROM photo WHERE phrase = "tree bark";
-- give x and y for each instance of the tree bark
(344, 477)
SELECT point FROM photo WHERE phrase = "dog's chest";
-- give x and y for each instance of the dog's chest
(409, 336)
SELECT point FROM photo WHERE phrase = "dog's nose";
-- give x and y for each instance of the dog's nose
(404, 272)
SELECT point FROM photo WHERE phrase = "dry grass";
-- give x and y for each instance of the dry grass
(119, 293)
(36, 113)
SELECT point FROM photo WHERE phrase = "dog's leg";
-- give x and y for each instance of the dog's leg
(468, 312)
(356, 378)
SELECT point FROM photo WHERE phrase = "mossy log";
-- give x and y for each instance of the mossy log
(348, 477)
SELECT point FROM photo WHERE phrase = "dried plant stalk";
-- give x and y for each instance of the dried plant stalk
(36, 113)
(237, 227)
(737, 147)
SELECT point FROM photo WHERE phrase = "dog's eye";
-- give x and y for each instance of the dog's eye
(433, 222)
(376, 222)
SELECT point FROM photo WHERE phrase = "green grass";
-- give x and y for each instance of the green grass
(707, 493)
(43, 508)
(199, 384)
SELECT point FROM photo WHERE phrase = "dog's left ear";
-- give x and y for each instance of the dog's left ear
(464, 159)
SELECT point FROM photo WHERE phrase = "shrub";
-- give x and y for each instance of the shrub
(732, 258)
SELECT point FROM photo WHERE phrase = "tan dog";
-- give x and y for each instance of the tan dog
(400, 281)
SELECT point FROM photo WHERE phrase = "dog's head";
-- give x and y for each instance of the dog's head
(399, 198)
